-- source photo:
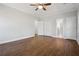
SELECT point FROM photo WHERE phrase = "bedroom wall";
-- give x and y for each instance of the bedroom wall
(78, 26)
(48, 26)
(15, 25)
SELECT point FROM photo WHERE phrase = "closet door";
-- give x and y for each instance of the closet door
(70, 27)
(49, 27)
(40, 28)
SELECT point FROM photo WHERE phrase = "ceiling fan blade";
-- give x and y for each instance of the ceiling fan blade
(44, 9)
(47, 4)
(36, 9)
(33, 4)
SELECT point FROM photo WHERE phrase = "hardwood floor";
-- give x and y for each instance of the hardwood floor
(40, 46)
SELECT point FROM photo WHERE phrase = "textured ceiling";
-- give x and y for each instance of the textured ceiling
(54, 9)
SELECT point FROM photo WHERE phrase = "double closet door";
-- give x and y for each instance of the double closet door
(63, 27)
(67, 27)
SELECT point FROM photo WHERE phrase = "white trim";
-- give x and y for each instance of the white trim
(16, 39)
(59, 37)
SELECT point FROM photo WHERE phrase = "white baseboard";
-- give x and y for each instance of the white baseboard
(25, 37)
(16, 39)
(59, 37)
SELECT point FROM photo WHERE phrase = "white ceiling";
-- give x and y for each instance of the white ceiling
(54, 9)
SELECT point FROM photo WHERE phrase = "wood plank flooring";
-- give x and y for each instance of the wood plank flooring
(40, 46)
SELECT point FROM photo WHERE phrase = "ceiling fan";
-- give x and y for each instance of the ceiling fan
(41, 6)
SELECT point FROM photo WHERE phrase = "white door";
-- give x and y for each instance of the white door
(39, 27)
(66, 27)
(70, 27)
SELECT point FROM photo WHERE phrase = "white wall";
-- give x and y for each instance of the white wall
(15, 25)
(78, 26)
(48, 25)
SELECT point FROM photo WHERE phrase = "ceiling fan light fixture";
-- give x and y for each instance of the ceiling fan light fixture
(40, 7)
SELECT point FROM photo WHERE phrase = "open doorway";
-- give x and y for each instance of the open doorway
(59, 28)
